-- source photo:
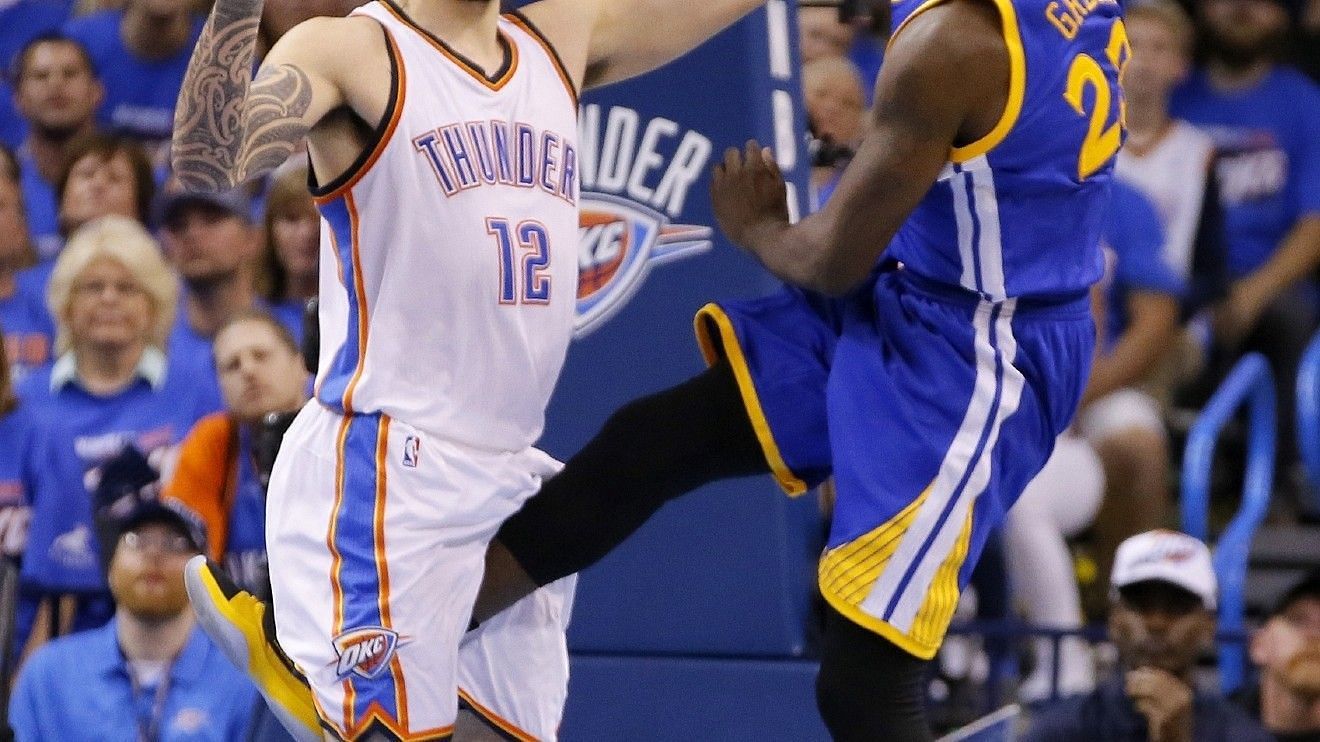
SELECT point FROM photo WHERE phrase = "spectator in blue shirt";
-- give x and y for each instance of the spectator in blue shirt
(28, 330)
(218, 476)
(293, 246)
(142, 52)
(57, 92)
(1161, 619)
(214, 245)
(1265, 120)
(105, 175)
(22, 21)
(110, 389)
(150, 673)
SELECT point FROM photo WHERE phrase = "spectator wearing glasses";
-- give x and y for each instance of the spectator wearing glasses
(148, 674)
(1161, 619)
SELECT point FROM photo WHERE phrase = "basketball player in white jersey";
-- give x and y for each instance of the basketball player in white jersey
(442, 140)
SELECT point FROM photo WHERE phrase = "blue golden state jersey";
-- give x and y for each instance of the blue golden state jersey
(1020, 211)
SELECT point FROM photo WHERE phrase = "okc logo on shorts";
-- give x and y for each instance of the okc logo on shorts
(412, 451)
(618, 242)
(365, 652)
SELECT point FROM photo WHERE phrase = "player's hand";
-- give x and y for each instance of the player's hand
(748, 194)
(1166, 702)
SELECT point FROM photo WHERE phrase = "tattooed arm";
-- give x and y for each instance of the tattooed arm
(229, 127)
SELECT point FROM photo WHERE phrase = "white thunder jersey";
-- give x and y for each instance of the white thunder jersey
(448, 270)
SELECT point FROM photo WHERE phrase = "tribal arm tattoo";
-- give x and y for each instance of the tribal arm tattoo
(227, 126)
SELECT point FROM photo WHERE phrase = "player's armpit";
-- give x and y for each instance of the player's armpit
(229, 127)
(944, 83)
(605, 41)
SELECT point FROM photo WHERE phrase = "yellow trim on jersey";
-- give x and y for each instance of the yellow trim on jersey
(849, 571)
(1017, 79)
(710, 351)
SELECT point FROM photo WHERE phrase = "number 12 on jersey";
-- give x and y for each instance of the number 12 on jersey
(524, 256)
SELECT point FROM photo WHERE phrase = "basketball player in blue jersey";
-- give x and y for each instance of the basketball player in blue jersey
(442, 139)
(934, 340)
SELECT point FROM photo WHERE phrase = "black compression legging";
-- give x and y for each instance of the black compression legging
(662, 446)
(650, 451)
(868, 688)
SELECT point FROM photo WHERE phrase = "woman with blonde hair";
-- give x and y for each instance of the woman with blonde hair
(110, 395)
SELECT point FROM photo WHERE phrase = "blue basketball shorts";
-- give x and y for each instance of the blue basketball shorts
(931, 408)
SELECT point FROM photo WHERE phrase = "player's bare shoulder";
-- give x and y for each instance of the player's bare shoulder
(568, 25)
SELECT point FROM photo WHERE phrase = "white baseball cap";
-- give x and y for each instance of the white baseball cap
(1167, 556)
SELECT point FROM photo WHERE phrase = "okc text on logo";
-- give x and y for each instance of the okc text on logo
(365, 652)
(635, 180)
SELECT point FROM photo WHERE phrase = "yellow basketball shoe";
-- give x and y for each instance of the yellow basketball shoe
(244, 630)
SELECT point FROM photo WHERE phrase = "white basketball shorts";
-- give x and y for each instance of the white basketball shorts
(377, 536)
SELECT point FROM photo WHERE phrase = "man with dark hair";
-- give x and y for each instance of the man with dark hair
(1265, 120)
(149, 674)
(1286, 650)
(1162, 619)
(57, 91)
(22, 21)
(212, 241)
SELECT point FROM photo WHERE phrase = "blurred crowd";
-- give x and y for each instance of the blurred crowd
(149, 332)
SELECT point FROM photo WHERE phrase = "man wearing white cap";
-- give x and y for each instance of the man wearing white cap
(1161, 619)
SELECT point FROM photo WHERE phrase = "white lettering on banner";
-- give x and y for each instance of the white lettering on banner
(615, 160)
(631, 192)
(781, 52)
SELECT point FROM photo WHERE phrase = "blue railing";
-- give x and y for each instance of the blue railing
(1250, 384)
(1308, 421)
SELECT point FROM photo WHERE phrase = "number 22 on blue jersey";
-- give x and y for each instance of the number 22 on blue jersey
(1102, 137)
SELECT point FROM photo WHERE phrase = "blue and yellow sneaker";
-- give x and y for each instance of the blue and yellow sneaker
(244, 630)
